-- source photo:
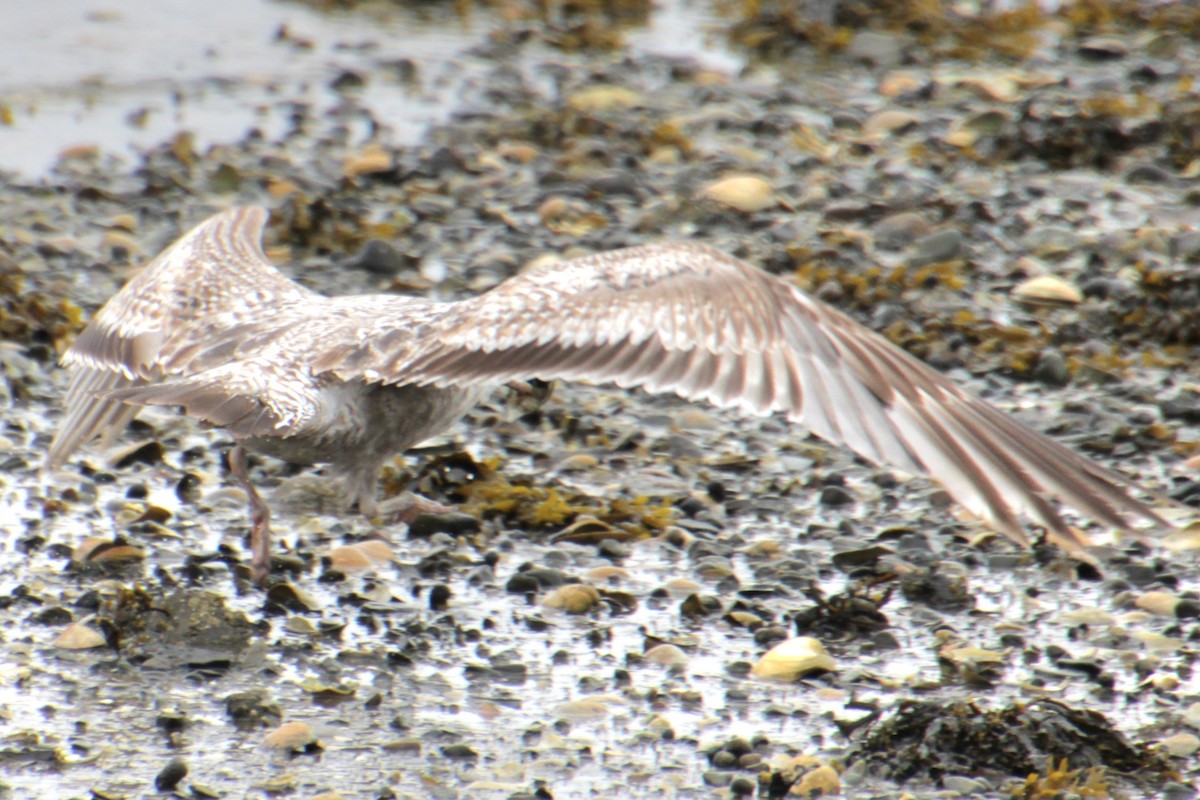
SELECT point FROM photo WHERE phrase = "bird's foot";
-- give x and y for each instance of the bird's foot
(408, 506)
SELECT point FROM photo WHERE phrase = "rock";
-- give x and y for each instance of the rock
(745, 193)
(878, 49)
(944, 245)
(897, 231)
(1181, 745)
(293, 737)
(170, 776)
(1048, 290)
(1051, 368)
(574, 598)
(793, 659)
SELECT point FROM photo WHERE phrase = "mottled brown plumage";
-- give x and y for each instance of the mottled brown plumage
(211, 326)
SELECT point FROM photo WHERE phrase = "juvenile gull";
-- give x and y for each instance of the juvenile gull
(212, 326)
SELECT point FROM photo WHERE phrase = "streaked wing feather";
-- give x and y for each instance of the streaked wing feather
(181, 313)
(88, 413)
(688, 319)
(247, 398)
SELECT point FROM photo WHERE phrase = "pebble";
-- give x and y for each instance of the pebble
(373, 159)
(1103, 48)
(170, 775)
(889, 121)
(574, 598)
(967, 787)
(935, 248)
(1051, 368)
(823, 781)
(878, 49)
(1181, 745)
(602, 98)
(1191, 716)
(293, 737)
(1048, 289)
(1162, 604)
(79, 636)
(897, 231)
(360, 555)
(379, 257)
(455, 523)
(587, 708)
(714, 777)
(745, 193)
(792, 659)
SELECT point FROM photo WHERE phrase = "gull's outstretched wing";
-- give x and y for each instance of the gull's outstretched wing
(213, 280)
(687, 319)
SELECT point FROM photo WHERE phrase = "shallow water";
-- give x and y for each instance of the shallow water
(130, 75)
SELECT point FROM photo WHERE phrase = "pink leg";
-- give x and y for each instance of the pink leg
(260, 530)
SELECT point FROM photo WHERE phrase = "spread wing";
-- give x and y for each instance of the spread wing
(688, 319)
(189, 305)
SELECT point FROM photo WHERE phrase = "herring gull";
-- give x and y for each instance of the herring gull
(211, 326)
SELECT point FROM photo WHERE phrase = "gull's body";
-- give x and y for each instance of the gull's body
(211, 326)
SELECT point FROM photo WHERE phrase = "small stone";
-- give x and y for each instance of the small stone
(252, 709)
(372, 160)
(742, 787)
(682, 587)
(455, 523)
(745, 193)
(459, 752)
(603, 98)
(124, 222)
(1160, 603)
(1002, 88)
(1103, 48)
(574, 598)
(79, 637)
(897, 231)
(606, 574)
(580, 462)
(889, 121)
(836, 496)
(695, 419)
(587, 708)
(667, 655)
(97, 549)
(1048, 289)
(1191, 716)
(1157, 642)
(944, 245)
(823, 781)
(793, 659)
(360, 555)
(714, 777)
(878, 49)
(1051, 368)
(1181, 745)
(964, 786)
(293, 737)
(170, 776)
(378, 257)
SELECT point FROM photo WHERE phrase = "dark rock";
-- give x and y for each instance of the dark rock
(454, 523)
(170, 776)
